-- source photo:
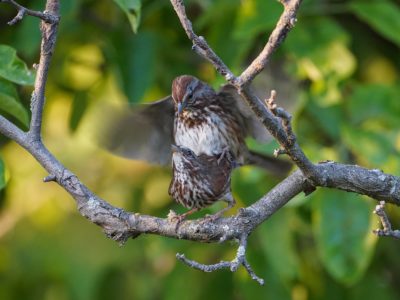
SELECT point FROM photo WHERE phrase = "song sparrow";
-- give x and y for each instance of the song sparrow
(196, 117)
(201, 180)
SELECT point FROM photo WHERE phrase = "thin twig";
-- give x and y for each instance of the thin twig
(199, 43)
(46, 16)
(233, 265)
(121, 225)
(270, 122)
(285, 24)
(49, 178)
(279, 151)
(286, 119)
(387, 226)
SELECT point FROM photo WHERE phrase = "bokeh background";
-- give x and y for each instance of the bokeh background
(338, 73)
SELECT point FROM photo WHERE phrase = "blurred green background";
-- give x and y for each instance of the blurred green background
(338, 72)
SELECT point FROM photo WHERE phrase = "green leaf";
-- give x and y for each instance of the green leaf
(27, 33)
(317, 44)
(382, 15)
(221, 17)
(137, 64)
(13, 68)
(315, 36)
(249, 184)
(374, 102)
(132, 9)
(3, 181)
(9, 102)
(256, 16)
(342, 223)
(373, 147)
(79, 106)
(278, 241)
(328, 118)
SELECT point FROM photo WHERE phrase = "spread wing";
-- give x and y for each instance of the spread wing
(143, 132)
(253, 126)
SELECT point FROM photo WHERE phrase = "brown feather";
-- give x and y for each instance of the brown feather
(210, 123)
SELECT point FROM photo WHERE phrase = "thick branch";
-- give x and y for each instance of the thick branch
(49, 35)
(11, 131)
(121, 225)
(276, 129)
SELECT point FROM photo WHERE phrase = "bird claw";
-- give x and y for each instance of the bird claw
(178, 219)
(211, 218)
(171, 215)
(174, 217)
(224, 154)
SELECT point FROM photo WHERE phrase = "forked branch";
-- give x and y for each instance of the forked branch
(233, 265)
(242, 83)
(121, 225)
(47, 16)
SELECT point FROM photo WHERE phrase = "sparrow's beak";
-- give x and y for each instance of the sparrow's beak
(175, 148)
(181, 107)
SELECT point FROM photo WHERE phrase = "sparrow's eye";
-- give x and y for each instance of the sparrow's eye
(189, 153)
(190, 97)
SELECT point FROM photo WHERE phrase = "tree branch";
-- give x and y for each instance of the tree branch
(285, 24)
(11, 131)
(49, 36)
(240, 259)
(121, 225)
(387, 226)
(242, 84)
(47, 16)
(200, 45)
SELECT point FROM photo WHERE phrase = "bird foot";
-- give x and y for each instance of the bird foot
(225, 153)
(171, 215)
(213, 217)
(174, 217)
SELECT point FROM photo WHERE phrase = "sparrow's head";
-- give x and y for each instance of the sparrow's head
(183, 157)
(189, 93)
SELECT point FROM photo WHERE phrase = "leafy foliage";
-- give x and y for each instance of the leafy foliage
(9, 102)
(2, 175)
(13, 68)
(338, 73)
(342, 223)
(383, 16)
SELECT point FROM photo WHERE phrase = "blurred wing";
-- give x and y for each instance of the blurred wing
(143, 132)
(254, 127)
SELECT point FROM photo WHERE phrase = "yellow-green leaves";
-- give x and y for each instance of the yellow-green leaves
(2, 175)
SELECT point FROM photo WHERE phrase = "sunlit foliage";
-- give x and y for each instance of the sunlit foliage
(338, 72)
